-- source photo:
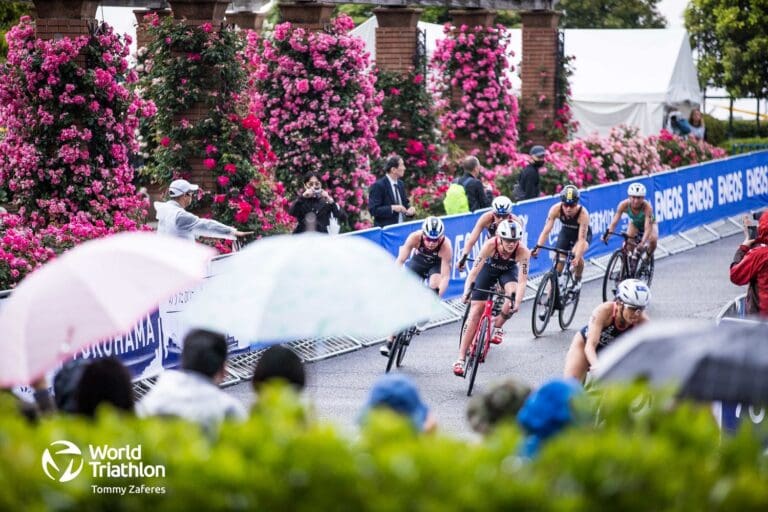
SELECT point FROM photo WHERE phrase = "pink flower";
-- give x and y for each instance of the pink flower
(230, 168)
(302, 86)
(223, 181)
(211, 149)
(209, 163)
(417, 79)
(219, 198)
(207, 27)
(244, 210)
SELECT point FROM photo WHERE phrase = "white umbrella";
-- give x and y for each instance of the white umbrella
(99, 289)
(310, 286)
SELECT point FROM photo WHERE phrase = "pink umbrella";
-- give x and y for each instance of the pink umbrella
(95, 291)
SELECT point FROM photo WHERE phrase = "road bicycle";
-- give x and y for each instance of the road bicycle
(481, 341)
(400, 346)
(626, 263)
(555, 292)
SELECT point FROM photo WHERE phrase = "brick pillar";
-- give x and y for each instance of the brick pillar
(396, 38)
(470, 18)
(537, 72)
(56, 19)
(246, 20)
(313, 16)
(142, 34)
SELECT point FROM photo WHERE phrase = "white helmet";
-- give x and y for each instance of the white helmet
(432, 228)
(502, 205)
(636, 190)
(510, 230)
(634, 293)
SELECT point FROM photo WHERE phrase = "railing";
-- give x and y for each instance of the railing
(748, 147)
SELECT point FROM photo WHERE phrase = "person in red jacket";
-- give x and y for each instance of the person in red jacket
(750, 266)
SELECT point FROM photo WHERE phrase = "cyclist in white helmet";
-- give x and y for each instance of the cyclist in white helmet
(608, 321)
(501, 209)
(427, 252)
(641, 219)
(504, 260)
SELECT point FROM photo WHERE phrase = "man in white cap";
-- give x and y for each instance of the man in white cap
(174, 220)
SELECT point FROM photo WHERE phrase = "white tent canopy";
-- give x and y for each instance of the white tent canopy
(620, 76)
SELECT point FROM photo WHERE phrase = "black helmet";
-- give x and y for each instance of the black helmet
(569, 195)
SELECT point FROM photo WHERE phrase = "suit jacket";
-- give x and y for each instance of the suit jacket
(381, 199)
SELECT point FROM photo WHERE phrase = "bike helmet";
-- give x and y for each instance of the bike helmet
(502, 205)
(633, 293)
(433, 228)
(510, 230)
(569, 195)
(636, 190)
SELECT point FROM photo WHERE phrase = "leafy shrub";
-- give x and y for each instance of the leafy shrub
(731, 146)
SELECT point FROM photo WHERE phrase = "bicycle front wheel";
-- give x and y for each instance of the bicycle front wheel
(543, 304)
(464, 322)
(405, 340)
(393, 351)
(482, 339)
(614, 274)
(645, 272)
(569, 303)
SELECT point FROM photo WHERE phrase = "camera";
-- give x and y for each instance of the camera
(752, 230)
(318, 192)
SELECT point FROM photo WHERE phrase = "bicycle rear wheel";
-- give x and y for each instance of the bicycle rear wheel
(543, 304)
(482, 336)
(614, 274)
(569, 302)
(393, 351)
(404, 342)
(645, 272)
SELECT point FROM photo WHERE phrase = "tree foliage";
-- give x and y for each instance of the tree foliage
(611, 14)
(731, 37)
(10, 12)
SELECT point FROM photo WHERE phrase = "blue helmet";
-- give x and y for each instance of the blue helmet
(502, 205)
(432, 228)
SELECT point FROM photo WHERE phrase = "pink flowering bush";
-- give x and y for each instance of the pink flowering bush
(474, 92)
(318, 103)
(675, 151)
(64, 159)
(408, 125)
(187, 70)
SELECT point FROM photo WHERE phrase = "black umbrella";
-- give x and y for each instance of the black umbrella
(707, 362)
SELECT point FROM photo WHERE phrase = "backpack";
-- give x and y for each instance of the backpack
(456, 199)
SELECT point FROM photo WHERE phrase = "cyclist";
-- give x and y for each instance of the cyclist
(575, 233)
(607, 322)
(501, 260)
(642, 222)
(430, 256)
(501, 209)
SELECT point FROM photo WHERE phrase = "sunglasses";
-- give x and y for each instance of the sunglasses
(510, 240)
(635, 309)
(502, 215)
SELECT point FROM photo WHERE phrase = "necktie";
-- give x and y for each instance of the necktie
(396, 193)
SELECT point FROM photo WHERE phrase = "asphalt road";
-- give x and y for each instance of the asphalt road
(692, 284)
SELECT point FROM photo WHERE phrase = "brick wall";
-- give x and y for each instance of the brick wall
(312, 16)
(142, 35)
(537, 70)
(396, 38)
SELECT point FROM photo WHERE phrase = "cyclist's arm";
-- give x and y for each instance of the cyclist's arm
(486, 251)
(648, 223)
(583, 224)
(548, 225)
(599, 319)
(409, 245)
(446, 255)
(480, 225)
(619, 211)
(523, 263)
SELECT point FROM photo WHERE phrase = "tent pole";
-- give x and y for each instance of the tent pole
(730, 118)
(757, 117)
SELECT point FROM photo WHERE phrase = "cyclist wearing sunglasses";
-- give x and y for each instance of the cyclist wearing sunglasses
(501, 209)
(504, 261)
(575, 232)
(642, 222)
(609, 320)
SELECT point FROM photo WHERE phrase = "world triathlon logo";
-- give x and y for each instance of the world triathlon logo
(62, 461)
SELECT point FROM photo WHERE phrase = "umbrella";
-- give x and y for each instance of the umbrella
(291, 287)
(707, 362)
(97, 290)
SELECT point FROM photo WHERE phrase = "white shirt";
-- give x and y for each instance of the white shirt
(396, 195)
(174, 220)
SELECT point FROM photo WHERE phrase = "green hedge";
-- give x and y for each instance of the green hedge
(282, 460)
(736, 146)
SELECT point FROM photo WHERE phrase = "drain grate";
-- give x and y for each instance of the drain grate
(242, 364)
(449, 315)
(142, 387)
(367, 341)
(316, 349)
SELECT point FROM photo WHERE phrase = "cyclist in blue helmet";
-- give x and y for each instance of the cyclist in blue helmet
(575, 233)
(501, 209)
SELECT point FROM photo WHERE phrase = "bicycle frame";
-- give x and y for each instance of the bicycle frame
(557, 287)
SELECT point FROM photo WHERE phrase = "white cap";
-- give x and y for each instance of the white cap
(181, 187)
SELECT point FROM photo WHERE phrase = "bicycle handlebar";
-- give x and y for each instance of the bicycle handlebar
(492, 292)
(624, 235)
(555, 249)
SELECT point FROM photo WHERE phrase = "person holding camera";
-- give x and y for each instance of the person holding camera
(750, 264)
(315, 207)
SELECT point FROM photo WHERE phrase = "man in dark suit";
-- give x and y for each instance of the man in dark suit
(387, 200)
(477, 197)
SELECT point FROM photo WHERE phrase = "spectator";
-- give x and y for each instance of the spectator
(477, 196)
(398, 393)
(278, 362)
(387, 200)
(546, 412)
(174, 220)
(676, 123)
(696, 121)
(193, 392)
(501, 402)
(103, 381)
(314, 208)
(65, 384)
(528, 185)
(750, 266)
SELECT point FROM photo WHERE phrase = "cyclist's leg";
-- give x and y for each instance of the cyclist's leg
(653, 239)
(579, 249)
(508, 281)
(576, 363)
(484, 281)
(436, 279)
